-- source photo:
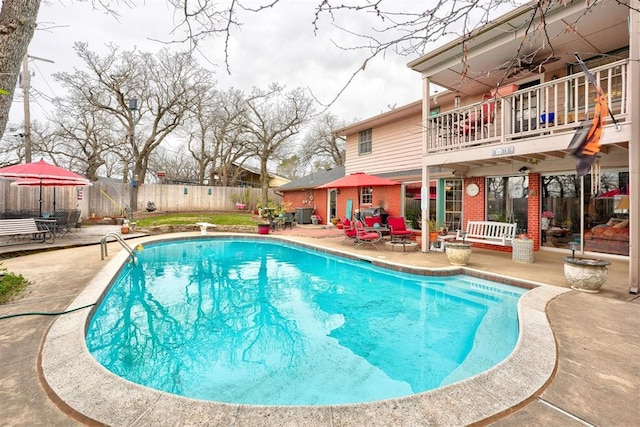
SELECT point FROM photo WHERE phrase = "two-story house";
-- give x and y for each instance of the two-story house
(496, 143)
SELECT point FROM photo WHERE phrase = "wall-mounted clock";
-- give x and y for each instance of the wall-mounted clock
(473, 189)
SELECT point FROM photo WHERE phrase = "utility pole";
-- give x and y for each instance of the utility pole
(26, 80)
(27, 113)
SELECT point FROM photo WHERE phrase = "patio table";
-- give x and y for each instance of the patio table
(49, 225)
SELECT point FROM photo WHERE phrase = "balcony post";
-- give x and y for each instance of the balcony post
(633, 81)
(424, 204)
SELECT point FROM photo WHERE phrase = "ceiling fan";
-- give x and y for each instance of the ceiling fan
(530, 63)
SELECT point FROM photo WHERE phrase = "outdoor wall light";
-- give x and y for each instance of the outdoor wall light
(186, 190)
(208, 191)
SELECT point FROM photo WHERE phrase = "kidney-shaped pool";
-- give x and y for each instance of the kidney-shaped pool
(262, 322)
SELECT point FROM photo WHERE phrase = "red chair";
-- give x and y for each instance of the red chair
(364, 235)
(398, 230)
(348, 229)
(479, 120)
(371, 221)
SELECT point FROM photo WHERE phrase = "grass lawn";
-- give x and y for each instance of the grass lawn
(191, 218)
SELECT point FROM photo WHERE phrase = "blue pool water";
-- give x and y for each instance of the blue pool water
(261, 322)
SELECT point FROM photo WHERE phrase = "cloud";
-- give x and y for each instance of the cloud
(276, 45)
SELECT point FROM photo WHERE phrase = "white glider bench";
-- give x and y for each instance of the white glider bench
(204, 225)
(14, 228)
(488, 232)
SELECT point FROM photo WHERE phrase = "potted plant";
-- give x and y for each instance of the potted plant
(433, 231)
(585, 274)
(316, 219)
(458, 253)
(545, 222)
(264, 227)
(124, 229)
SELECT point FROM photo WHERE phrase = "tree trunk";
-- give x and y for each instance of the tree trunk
(17, 24)
(264, 182)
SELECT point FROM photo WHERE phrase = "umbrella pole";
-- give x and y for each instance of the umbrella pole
(40, 201)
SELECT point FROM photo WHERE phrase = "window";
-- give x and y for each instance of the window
(364, 141)
(366, 195)
(599, 204)
(453, 204)
(507, 200)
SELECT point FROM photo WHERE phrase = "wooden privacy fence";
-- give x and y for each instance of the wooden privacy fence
(112, 198)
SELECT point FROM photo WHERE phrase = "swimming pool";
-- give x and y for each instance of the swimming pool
(263, 322)
(87, 391)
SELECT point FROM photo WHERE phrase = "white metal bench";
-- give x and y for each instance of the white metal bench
(204, 225)
(488, 232)
(23, 227)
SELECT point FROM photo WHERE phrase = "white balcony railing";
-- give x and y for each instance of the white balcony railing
(557, 106)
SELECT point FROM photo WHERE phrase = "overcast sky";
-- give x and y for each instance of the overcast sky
(274, 46)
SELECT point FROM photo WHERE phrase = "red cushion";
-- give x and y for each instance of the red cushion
(370, 220)
(368, 236)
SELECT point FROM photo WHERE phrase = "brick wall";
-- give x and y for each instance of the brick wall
(474, 209)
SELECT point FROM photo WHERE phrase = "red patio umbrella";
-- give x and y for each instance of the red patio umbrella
(614, 192)
(359, 180)
(42, 170)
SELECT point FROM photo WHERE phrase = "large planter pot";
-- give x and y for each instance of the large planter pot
(263, 228)
(585, 274)
(545, 223)
(458, 253)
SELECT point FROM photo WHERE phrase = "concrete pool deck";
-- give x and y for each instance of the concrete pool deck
(597, 340)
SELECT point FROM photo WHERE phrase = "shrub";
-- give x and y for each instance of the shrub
(11, 285)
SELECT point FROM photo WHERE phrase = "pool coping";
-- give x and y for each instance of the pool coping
(87, 391)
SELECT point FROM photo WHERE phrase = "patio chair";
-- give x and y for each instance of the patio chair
(371, 221)
(477, 121)
(398, 230)
(288, 220)
(348, 229)
(273, 223)
(364, 235)
(73, 220)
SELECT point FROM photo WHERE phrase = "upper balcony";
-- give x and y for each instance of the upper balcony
(548, 113)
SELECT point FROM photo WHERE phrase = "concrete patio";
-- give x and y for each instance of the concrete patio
(595, 383)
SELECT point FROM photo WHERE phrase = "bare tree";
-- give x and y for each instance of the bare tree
(322, 144)
(164, 85)
(176, 161)
(217, 136)
(291, 167)
(82, 134)
(274, 118)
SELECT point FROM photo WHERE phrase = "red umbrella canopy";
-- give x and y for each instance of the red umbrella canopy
(41, 170)
(359, 179)
(50, 182)
(615, 192)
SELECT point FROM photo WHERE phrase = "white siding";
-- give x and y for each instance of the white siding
(395, 147)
